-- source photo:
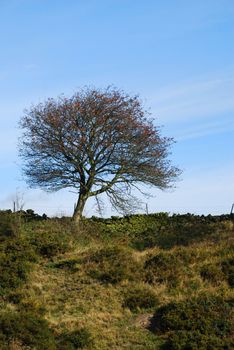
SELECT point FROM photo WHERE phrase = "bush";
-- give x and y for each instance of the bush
(140, 298)
(228, 270)
(146, 239)
(207, 315)
(77, 339)
(178, 230)
(50, 244)
(160, 229)
(9, 225)
(30, 215)
(184, 231)
(16, 258)
(26, 328)
(134, 225)
(212, 273)
(67, 264)
(6, 229)
(183, 340)
(164, 267)
(112, 265)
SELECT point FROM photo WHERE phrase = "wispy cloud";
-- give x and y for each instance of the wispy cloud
(200, 98)
(204, 129)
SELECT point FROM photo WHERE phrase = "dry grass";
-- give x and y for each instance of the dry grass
(73, 299)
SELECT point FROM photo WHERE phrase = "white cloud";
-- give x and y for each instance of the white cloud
(197, 99)
(203, 129)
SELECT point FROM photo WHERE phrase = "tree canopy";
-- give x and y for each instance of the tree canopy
(97, 141)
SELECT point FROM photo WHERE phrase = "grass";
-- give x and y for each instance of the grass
(101, 287)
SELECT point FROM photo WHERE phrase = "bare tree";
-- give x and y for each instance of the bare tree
(97, 141)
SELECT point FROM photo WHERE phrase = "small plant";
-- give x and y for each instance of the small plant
(212, 273)
(228, 270)
(77, 339)
(146, 239)
(112, 265)
(194, 340)
(28, 329)
(163, 268)
(208, 315)
(50, 244)
(140, 298)
(9, 224)
(67, 264)
(16, 258)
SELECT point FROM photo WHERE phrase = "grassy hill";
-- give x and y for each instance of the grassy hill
(139, 282)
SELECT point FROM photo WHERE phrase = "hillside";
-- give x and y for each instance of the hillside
(139, 282)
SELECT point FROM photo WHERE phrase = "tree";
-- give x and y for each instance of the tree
(94, 142)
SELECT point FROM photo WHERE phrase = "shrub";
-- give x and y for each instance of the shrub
(6, 229)
(112, 265)
(134, 225)
(77, 339)
(212, 273)
(140, 298)
(207, 315)
(166, 232)
(66, 264)
(50, 244)
(228, 270)
(183, 340)
(26, 302)
(163, 268)
(183, 231)
(16, 257)
(30, 215)
(146, 239)
(27, 328)
(146, 231)
(9, 225)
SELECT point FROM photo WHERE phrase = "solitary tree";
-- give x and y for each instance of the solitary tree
(94, 142)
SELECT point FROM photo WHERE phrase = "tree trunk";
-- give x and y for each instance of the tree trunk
(77, 215)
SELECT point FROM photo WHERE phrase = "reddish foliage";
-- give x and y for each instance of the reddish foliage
(95, 141)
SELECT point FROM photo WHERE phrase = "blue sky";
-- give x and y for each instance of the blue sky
(177, 54)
